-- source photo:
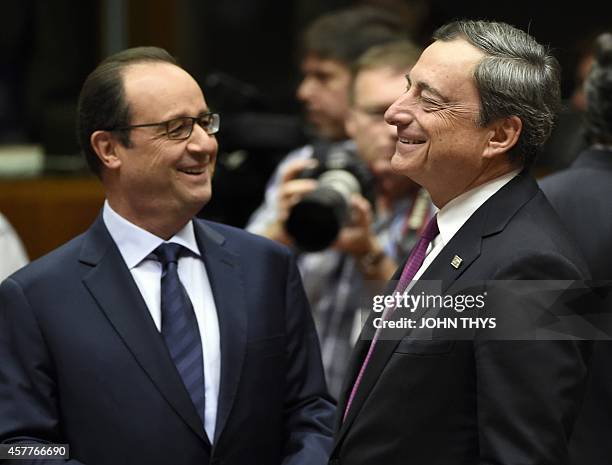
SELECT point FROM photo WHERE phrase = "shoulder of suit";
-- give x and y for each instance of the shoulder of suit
(52, 265)
(536, 235)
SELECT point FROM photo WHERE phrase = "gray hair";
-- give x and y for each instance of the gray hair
(598, 89)
(517, 77)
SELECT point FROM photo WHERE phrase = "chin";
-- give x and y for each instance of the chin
(197, 201)
(398, 163)
(329, 131)
(203, 200)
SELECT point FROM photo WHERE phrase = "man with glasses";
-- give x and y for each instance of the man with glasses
(154, 337)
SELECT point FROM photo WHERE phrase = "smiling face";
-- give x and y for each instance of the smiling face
(157, 179)
(440, 144)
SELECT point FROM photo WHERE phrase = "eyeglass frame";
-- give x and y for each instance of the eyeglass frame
(215, 124)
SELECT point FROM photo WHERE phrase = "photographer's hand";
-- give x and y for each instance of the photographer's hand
(290, 191)
(357, 239)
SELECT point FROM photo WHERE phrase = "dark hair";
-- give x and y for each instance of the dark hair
(399, 54)
(517, 77)
(102, 102)
(598, 90)
(344, 35)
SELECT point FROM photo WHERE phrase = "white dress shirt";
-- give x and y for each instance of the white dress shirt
(456, 212)
(136, 245)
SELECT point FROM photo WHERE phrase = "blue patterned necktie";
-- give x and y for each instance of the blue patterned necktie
(179, 326)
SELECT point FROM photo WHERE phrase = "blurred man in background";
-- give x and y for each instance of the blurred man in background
(330, 46)
(381, 230)
(582, 195)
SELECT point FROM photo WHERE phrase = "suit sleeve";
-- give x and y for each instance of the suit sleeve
(309, 409)
(528, 390)
(28, 394)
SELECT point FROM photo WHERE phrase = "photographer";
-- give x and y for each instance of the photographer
(380, 232)
(330, 46)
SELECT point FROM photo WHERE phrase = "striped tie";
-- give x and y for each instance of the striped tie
(179, 326)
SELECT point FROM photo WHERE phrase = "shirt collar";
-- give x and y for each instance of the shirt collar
(135, 244)
(456, 212)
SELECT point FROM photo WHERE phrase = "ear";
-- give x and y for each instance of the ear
(105, 145)
(504, 135)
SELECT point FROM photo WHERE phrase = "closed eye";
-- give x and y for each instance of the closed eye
(431, 105)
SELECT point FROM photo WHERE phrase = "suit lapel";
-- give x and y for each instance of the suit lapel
(489, 219)
(226, 280)
(112, 286)
(439, 276)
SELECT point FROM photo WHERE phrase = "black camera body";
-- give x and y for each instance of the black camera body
(315, 221)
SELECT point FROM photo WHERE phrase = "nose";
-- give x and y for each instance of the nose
(202, 142)
(391, 130)
(306, 89)
(399, 112)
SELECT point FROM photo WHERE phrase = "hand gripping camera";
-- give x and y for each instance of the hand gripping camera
(315, 221)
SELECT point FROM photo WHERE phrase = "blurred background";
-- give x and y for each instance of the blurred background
(244, 53)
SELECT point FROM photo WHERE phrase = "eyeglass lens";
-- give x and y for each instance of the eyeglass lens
(181, 128)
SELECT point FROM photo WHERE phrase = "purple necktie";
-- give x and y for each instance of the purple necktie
(414, 262)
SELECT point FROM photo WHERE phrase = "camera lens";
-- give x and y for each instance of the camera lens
(315, 221)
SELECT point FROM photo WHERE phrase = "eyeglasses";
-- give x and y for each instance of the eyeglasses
(181, 128)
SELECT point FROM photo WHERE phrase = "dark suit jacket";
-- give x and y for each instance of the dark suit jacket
(582, 195)
(473, 401)
(83, 363)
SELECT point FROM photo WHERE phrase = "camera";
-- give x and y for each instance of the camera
(315, 221)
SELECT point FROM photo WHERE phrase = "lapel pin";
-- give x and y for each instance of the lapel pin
(456, 261)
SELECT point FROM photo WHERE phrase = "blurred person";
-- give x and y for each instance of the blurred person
(582, 196)
(586, 52)
(378, 235)
(568, 138)
(156, 338)
(329, 47)
(12, 254)
(479, 101)
(415, 14)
